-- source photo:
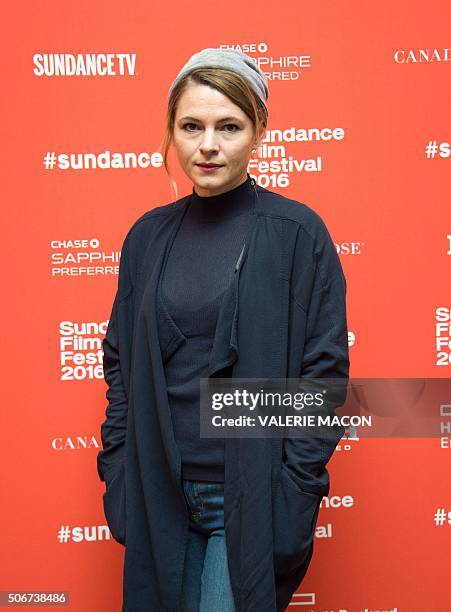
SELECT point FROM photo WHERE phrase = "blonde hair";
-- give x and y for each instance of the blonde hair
(229, 83)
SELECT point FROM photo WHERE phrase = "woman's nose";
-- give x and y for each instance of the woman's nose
(208, 141)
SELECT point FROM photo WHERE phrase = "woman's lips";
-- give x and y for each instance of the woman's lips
(208, 168)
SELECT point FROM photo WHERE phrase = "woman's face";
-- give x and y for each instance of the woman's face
(210, 129)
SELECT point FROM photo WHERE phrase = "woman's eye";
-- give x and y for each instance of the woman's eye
(192, 127)
(232, 125)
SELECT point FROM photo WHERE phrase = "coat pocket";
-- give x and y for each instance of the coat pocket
(295, 513)
(114, 505)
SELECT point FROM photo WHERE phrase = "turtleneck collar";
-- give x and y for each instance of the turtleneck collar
(228, 204)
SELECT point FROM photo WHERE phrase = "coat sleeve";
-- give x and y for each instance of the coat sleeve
(113, 428)
(325, 355)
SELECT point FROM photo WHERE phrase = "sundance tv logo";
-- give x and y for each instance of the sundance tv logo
(84, 64)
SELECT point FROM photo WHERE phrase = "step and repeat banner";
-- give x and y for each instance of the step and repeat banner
(358, 130)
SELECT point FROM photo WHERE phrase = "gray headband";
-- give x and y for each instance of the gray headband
(233, 60)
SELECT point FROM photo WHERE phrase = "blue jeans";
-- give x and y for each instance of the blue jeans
(206, 582)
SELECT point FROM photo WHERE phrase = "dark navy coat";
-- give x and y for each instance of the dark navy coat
(283, 316)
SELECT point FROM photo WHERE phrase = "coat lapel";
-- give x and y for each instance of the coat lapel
(224, 350)
(170, 336)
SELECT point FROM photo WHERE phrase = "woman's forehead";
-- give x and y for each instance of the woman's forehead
(198, 101)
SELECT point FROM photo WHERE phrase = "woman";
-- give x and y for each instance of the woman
(232, 280)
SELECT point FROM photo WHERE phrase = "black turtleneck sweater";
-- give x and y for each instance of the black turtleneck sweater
(199, 268)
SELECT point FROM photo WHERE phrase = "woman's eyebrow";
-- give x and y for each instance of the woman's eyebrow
(229, 118)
